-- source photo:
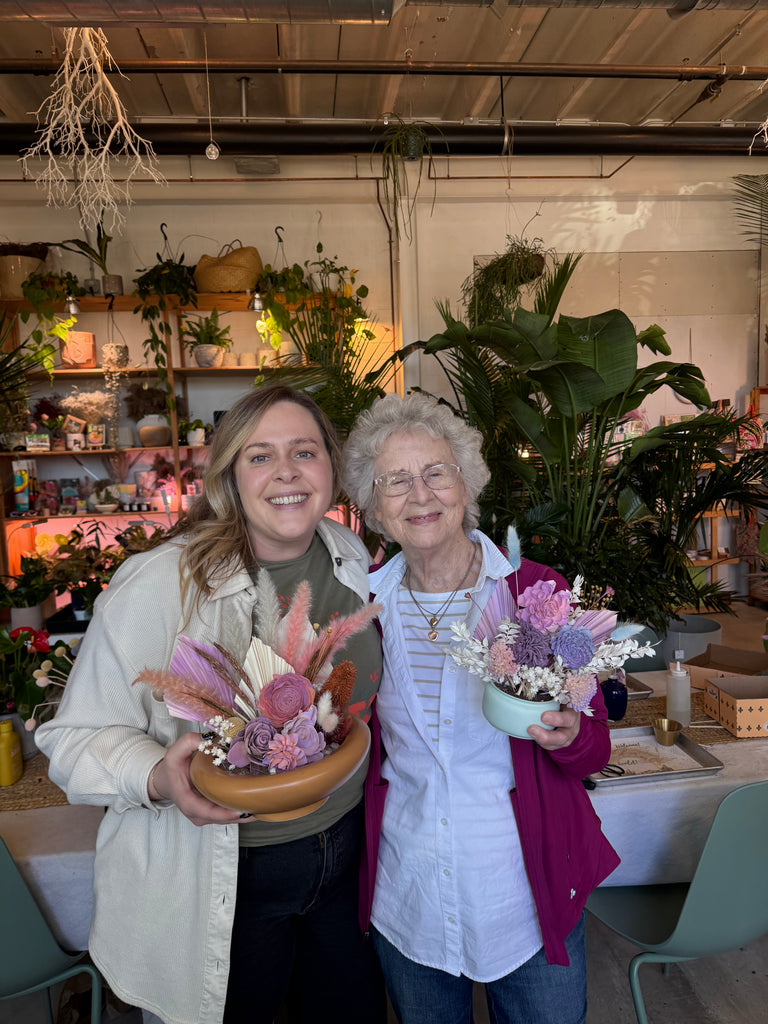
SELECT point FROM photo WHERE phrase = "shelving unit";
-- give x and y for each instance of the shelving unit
(714, 562)
(178, 373)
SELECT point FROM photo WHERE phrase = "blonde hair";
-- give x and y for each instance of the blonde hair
(216, 527)
(394, 415)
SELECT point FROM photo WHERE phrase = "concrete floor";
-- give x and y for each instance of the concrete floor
(727, 989)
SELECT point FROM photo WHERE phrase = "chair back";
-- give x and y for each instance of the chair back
(727, 901)
(29, 954)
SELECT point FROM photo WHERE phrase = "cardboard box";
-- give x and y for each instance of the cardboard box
(718, 661)
(740, 703)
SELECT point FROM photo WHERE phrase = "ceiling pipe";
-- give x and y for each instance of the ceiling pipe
(330, 138)
(178, 13)
(526, 69)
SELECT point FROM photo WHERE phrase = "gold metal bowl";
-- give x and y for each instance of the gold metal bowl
(285, 795)
(666, 731)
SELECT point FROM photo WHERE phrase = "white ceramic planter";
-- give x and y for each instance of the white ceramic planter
(28, 745)
(513, 715)
(196, 437)
(209, 356)
(31, 616)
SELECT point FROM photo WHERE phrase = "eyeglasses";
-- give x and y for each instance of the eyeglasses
(438, 478)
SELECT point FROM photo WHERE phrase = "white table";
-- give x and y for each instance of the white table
(54, 848)
(659, 828)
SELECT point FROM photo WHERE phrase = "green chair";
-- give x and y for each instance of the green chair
(30, 957)
(723, 907)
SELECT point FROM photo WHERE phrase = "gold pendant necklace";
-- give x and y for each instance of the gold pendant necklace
(434, 620)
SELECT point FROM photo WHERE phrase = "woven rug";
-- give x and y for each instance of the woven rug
(643, 712)
(34, 788)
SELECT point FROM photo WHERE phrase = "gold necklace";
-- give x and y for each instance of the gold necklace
(434, 620)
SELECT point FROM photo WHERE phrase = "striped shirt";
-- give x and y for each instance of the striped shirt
(426, 657)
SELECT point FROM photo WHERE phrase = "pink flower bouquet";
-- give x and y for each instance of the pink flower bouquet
(285, 707)
(545, 646)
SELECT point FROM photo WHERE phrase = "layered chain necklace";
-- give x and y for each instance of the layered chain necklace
(433, 621)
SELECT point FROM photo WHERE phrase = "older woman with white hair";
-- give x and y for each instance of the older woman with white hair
(488, 845)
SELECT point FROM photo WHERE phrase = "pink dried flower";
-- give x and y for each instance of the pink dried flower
(542, 607)
(285, 753)
(285, 697)
(581, 687)
(501, 661)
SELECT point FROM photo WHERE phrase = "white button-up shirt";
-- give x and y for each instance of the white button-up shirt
(451, 888)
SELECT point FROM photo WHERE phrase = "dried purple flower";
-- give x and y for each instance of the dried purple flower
(531, 647)
(304, 728)
(251, 744)
(575, 646)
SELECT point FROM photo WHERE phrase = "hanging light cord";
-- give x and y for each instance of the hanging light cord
(212, 150)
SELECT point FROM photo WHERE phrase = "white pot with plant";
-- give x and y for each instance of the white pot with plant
(206, 339)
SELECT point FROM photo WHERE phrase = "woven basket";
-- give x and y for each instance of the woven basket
(236, 269)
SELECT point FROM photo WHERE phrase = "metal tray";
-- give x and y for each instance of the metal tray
(637, 690)
(687, 759)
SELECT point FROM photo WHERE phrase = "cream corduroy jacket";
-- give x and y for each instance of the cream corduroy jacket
(164, 889)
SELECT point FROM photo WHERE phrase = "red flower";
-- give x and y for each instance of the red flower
(37, 640)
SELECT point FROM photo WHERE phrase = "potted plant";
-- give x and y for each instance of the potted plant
(492, 290)
(321, 312)
(402, 144)
(167, 284)
(147, 405)
(45, 291)
(83, 565)
(194, 432)
(17, 261)
(549, 398)
(112, 284)
(540, 651)
(206, 338)
(25, 592)
(48, 414)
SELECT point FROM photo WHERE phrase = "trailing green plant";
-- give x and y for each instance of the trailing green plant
(323, 315)
(493, 288)
(44, 291)
(402, 143)
(549, 399)
(164, 286)
(205, 330)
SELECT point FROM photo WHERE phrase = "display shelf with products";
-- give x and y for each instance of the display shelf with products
(117, 461)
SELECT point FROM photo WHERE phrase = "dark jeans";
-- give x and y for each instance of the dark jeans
(296, 940)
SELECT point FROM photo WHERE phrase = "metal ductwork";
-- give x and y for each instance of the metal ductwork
(332, 138)
(176, 13)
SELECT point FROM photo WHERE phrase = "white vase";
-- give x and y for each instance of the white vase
(31, 616)
(196, 437)
(513, 715)
(154, 431)
(209, 356)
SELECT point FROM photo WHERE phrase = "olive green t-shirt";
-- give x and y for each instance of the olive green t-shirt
(329, 599)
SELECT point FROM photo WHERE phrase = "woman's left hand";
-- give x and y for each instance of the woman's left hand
(566, 728)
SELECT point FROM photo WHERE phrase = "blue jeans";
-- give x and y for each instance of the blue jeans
(536, 993)
(296, 941)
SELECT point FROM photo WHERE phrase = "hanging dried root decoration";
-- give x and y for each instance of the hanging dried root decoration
(84, 135)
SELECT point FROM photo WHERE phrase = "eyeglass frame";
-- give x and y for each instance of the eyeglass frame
(418, 476)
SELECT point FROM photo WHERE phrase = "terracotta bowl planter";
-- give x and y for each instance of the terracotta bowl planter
(285, 795)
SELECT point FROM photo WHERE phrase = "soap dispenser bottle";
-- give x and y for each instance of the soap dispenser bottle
(679, 695)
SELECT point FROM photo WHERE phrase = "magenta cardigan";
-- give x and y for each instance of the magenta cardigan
(566, 854)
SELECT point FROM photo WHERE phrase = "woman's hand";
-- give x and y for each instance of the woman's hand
(566, 728)
(170, 780)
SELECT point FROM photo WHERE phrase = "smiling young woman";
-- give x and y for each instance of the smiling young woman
(253, 914)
